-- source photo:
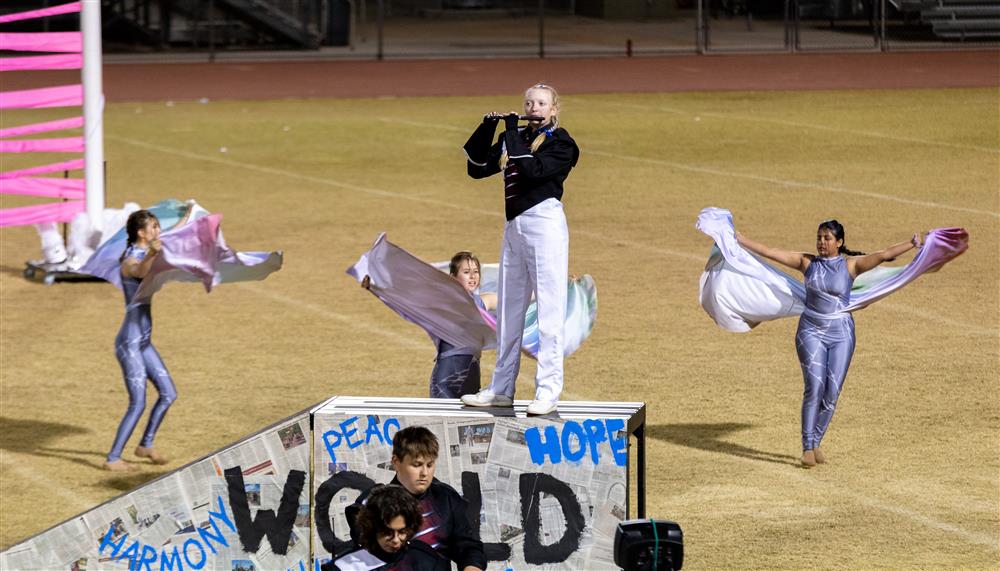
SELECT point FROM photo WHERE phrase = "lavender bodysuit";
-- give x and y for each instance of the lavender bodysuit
(825, 344)
(139, 360)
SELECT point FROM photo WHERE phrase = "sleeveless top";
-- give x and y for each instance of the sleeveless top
(828, 287)
(137, 326)
(131, 285)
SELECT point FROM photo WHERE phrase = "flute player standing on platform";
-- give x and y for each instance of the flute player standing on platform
(534, 259)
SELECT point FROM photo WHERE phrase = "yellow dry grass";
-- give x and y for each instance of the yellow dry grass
(914, 447)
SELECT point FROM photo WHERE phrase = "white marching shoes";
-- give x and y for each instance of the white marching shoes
(485, 398)
(540, 407)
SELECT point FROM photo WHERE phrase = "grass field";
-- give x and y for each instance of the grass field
(914, 474)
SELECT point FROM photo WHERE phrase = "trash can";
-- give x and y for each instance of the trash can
(338, 23)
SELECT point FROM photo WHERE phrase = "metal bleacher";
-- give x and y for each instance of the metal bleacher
(163, 23)
(956, 19)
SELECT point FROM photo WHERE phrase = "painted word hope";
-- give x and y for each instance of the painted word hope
(574, 440)
(348, 434)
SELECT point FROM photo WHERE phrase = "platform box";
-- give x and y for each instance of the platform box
(545, 492)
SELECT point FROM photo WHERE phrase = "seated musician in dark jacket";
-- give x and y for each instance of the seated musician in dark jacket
(446, 525)
(386, 525)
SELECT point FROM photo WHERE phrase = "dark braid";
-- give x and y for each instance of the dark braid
(136, 221)
(838, 232)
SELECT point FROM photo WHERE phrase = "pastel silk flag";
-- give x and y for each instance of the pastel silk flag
(427, 296)
(581, 314)
(581, 309)
(739, 291)
(424, 296)
(192, 252)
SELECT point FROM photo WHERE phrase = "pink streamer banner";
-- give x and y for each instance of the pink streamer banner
(61, 96)
(66, 42)
(39, 213)
(75, 164)
(70, 8)
(48, 187)
(58, 145)
(30, 63)
(35, 128)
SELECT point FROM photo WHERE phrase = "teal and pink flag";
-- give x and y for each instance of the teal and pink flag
(425, 295)
(192, 252)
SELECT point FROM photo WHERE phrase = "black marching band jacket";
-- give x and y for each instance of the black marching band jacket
(414, 556)
(529, 177)
(446, 528)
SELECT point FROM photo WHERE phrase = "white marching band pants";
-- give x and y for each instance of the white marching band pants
(534, 259)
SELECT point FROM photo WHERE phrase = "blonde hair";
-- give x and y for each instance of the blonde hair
(504, 158)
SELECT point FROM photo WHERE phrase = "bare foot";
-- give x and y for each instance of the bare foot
(154, 456)
(119, 466)
(808, 459)
(820, 457)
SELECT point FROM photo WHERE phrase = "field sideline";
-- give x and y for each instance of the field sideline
(914, 447)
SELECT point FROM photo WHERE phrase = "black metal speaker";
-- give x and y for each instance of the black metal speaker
(649, 545)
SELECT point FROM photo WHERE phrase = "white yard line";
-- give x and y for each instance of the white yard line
(298, 176)
(602, 237)
(922, 314)
(989, 540)
(727, 173)
(39, 478)
(797, 124)
(788, 183)
(405, 341)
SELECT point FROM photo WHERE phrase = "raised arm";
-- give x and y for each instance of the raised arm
(489, 300)
(135, 269)
(861, 264)
(482, 154)
(795, 260)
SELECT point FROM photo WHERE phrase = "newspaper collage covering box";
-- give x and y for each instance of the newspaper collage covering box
(186, 520)
(549, 491)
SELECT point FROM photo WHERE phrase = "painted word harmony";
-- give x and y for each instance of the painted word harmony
(192, 554)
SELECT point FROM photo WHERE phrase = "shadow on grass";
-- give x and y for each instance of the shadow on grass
(709, 437)
(34, 437)
(130, 482)
(12, 270)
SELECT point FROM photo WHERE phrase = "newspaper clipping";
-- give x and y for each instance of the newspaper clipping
(184, 520)
(496, 451)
